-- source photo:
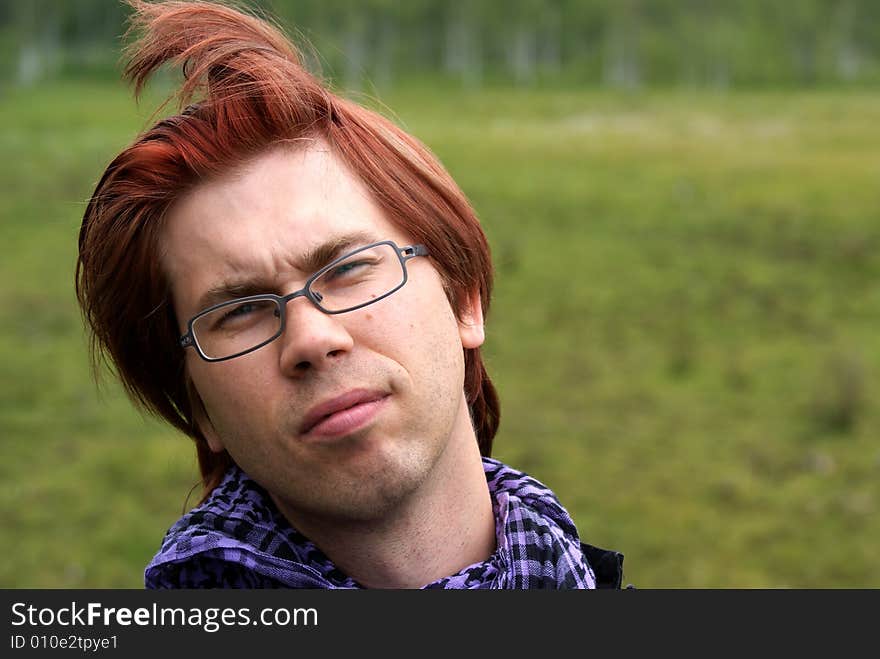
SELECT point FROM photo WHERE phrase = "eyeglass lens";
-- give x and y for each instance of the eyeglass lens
(359, 279)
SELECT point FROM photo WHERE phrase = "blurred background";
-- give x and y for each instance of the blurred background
(683, 202)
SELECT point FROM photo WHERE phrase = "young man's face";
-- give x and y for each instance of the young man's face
(405, 351)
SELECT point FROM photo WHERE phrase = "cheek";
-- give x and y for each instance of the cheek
(227, 389)
(420, 333)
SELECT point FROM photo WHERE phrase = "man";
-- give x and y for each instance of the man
(300, 287)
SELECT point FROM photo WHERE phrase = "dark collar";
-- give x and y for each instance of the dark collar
(607, 565)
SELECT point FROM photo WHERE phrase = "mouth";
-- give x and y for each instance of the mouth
(343, 414)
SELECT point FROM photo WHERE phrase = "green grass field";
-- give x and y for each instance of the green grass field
(684, 331)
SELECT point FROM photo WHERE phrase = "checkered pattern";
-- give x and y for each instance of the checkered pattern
(238, 539)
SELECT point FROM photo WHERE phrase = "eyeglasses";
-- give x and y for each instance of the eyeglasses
(353, 281)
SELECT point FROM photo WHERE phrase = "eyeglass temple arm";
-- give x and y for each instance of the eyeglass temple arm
(413, 251)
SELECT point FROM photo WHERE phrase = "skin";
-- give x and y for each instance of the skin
(400, 501)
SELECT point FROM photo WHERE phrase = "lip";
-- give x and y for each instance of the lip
(343, 414)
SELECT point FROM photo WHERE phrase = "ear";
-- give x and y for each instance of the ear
(470, 322)
(202, 420)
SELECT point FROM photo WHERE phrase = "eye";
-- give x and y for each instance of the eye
(244, 314)
(240, 310)
(348, 269)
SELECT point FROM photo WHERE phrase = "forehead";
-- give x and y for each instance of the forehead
(298, 193)
(257, 221)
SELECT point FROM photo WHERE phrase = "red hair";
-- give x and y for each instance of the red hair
(248, 90)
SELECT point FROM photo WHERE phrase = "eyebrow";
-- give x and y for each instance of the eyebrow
(319, 256)
(313, 260)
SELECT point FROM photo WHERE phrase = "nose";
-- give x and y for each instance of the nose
(312, 338)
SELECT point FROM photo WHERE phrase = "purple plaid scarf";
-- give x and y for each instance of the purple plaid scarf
(238, 539)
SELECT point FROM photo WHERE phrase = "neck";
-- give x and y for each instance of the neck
(444, 526)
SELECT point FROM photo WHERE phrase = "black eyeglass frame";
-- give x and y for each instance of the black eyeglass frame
(404, 254)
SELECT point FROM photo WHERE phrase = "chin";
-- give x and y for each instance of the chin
(372, 489)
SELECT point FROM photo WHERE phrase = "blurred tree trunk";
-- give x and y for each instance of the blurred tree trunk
(522, 55)
(550, 42)
(385, 51)
(621, 67)
(39, 57)
(462, 54)
(847, 58)
(355, 49)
